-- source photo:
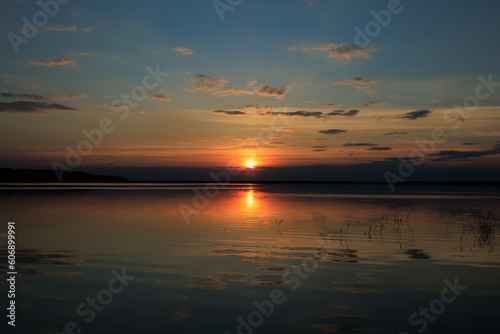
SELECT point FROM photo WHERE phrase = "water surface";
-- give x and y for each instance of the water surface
(333, 253)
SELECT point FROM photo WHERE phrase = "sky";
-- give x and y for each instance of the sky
(250, 83)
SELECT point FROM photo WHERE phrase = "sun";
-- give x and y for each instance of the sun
(251, 164)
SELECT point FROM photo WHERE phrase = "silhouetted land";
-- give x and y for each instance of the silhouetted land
(43, 175)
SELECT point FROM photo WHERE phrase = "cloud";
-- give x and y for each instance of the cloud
(229, 112)
(288, 130)
(459, 155)
(380, 149)
(358, 144)
(54, 62)
(250, 106)
(60, 28)
(207, 83)
(255, 106)
(85, 54)
(319, 148)
(395, 133)
(358, 83)
(300, 113)
(215, 86)
(466, 143)
(330, 105)
(276, 92)
(232, 91)
(350, 113)
(20, 82)
(29, 107)
(314, 114)
(413, 115)
(355, 81)
(26, 86)
(183, 50)
(332, 131)
(340, 51)
(373, 103)
(162, 96)
(349, 51)
(43, 97)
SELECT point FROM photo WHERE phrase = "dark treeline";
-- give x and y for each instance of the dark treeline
(45, 175)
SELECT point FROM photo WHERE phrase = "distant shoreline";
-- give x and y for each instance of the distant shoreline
(132, 183)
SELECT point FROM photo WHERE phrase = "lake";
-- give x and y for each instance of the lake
(250, 258)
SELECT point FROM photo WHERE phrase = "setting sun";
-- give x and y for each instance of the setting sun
(251, 164)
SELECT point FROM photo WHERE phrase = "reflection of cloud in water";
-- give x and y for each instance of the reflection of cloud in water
(417, 254)
(344, 322)
(214, 281)
(34, 258)
(354, 287)
(182, 314)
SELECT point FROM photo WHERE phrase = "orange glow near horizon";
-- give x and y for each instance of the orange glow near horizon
(251, 164)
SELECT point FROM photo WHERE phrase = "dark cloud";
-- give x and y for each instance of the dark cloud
(349, 51)
(350, 113)
(413, 115)
(24, 96)
(28, 107)
(358, 144)
(319, 148)
(43, 97)
(355, 81)
(229, 112)
(395, 133)
(339, 51)
(160, 96)
(215, 86)
(300, 113)
(373, 103)
(265, 90)
(315, 114)
(332, 131)
(459, 155)
(469, 143)
(380, 149)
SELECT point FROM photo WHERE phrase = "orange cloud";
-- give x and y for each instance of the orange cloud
(60, 28)
(183, 50)
(54, 62)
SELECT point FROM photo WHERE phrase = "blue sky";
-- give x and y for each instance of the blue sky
(278, 58)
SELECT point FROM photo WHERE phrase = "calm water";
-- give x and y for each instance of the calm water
(255, 259)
